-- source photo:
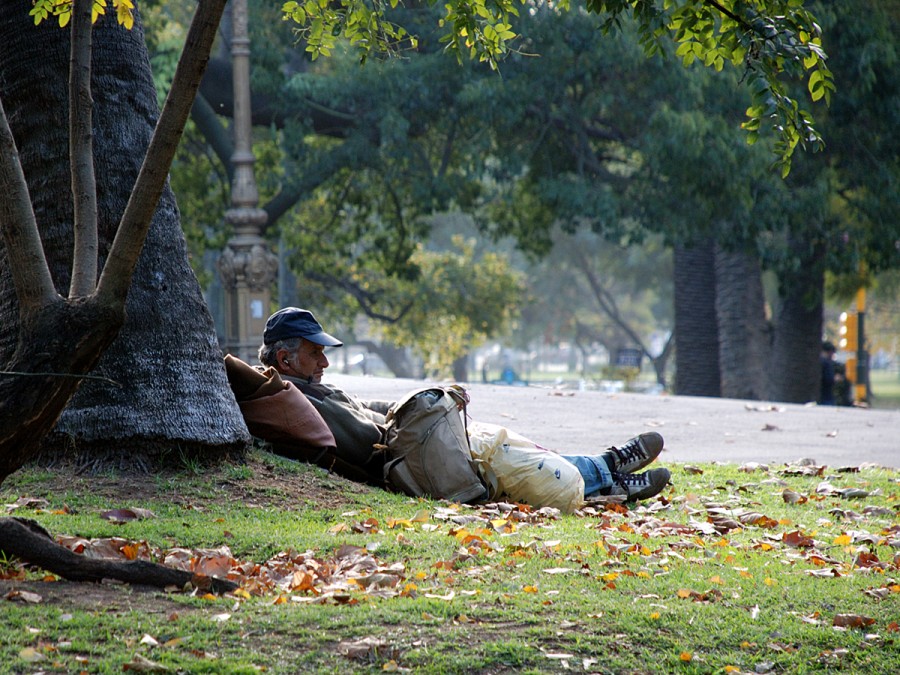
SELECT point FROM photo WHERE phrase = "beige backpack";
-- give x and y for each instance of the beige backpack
(427, 447)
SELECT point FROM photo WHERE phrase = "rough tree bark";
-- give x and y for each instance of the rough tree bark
(50, 340)
(169, 382)
(796, 372)
(696, 332)
(742, 325)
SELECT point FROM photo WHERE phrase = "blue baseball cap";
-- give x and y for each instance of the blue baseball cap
(292, 322)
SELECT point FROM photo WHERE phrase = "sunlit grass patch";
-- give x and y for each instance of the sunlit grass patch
(729, 570)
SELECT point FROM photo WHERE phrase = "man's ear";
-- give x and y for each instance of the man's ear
(283, 357)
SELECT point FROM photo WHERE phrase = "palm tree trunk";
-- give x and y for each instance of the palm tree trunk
(170, 380)
(743, 329)
(696, 331)
(796, 371)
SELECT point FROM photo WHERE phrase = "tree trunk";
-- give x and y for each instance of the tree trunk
(743, 329)
(461, 368)
(396, 359)
(796, 371)
(696, 332)
(171, 387)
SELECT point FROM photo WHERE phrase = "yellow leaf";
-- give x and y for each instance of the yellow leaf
(683, 593)
(732, 669)
(654, 615)
(242, 593)
(769, 581)
(31, 655)
(610, 576)
(843, 540)
(717, 579)
(530, 589)
(399, 522)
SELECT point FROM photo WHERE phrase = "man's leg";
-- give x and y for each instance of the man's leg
(594, 470)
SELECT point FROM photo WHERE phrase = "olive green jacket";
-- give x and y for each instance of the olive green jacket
(358, 426)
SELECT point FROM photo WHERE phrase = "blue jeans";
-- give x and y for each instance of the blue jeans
(594, 470)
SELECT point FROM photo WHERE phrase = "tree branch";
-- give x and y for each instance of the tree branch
(731, 15)
(29, 541)
(607, 302)
(214, 132)
(24, 251)
(126, 248)
(81, 153)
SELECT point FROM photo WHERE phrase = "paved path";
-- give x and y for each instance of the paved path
(695, 429)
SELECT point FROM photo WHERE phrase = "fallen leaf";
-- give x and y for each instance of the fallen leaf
(852, 621)
(31, 655)
(368, 649)
(27, 503)
(23, 596)
(797, 539)
(791, 497)
(140, 664)
(127, 515)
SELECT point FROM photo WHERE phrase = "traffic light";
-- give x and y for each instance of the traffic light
(849, 332)
(850, 371)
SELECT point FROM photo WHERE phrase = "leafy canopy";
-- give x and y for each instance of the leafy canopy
(769, 39)
(62, 10)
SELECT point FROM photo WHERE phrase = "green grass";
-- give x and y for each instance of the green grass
(648, 589)
(885, 389)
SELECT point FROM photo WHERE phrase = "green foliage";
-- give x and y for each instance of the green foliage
(768, 39)
(465, 300)
(364, 26)
(62, 11)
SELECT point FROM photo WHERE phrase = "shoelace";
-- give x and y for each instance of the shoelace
(628, 453)
(634, 480)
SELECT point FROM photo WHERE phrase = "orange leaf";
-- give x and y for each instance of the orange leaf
(852, 621)
(797, 539)
(685, 656)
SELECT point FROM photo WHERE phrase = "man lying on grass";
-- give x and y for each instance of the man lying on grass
(294, 345)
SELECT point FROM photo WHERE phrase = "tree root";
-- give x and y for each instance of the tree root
(31, 543)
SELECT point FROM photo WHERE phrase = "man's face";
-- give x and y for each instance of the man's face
(308, 362)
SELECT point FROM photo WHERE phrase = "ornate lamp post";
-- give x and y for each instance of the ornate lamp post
(247, 266)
